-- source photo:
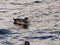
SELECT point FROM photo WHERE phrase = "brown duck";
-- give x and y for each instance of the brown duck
(23, 22)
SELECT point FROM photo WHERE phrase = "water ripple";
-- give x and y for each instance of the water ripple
(42, 37)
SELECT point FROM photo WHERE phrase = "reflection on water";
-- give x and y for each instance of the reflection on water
(5, 31)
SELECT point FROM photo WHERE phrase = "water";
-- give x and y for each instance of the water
(44, 28)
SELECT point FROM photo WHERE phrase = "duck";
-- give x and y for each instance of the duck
(24, 22)
(27, 43)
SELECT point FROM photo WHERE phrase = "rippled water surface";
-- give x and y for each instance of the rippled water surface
(44, 19)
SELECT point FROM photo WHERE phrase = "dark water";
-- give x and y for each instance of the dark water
(42, 37)
(5, 31)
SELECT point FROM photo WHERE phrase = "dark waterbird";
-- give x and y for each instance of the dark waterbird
(24, 22)
(27, 43)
